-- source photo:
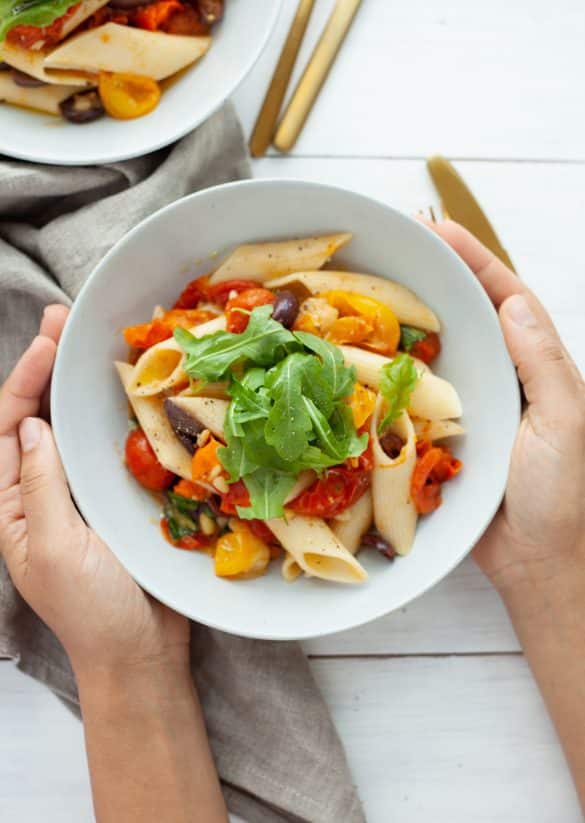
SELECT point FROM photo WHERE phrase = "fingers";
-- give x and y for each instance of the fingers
(54, 318)
(496, 278)
(551, 381)
(46, 502)
(19, 398)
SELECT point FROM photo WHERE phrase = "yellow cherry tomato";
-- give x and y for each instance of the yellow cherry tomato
(385, 335)
(240, 553)
(125, 96)
(361, 403)
(354, 330)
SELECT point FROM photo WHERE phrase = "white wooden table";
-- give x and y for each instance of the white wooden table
(435, 704)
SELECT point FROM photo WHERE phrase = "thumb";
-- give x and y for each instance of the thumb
(47, 504)
(551, 381)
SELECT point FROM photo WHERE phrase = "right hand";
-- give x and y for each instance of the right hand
(538, 536)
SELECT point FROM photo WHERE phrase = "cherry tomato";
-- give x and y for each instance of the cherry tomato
(126, 96)
(194, 292)
(191, 542)
(261, 530)
(333, 493)
(143, 463)
(221, 292)
(237, 321)
(434, 466)
(154, 16)
(191, 490)
(187, 23)
(146, 335)
(428, 349)
(237, 495)
(27, 36)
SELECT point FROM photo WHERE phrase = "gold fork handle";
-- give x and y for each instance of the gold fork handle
(315, 74)
(266, 122)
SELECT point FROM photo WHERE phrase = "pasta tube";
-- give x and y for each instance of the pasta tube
(356, 520)
(315, 548)
(436, 429)
(260, 261)
(395, 514)
(407, 307)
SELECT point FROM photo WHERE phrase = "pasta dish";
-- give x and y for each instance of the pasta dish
(82, 59)
(286, 411)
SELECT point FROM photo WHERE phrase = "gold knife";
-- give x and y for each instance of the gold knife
(266, 122)
(315, 74)
(459, 204)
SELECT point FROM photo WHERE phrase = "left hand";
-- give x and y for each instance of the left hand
(60, 567)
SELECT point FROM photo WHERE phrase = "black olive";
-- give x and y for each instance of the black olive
(376, 541)
(286, 308)
(392, 444)
(82, 107)
(185, 427)
(210, 10)
(25, 80)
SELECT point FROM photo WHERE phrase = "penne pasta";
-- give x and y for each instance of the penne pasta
(150, 414)
(116, 48)
(436, 429)
(31, 62)
(407, 307)
(433, 397)
(261, 261)
(39, 98)
(161, 367)
(290, 568)
(395, 514)
(316, 549)
(356, 521)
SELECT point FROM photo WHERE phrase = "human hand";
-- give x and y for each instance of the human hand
(538, 536)
(59, 566)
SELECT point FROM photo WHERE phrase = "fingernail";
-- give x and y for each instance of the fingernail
(30, 434)
(519, 311)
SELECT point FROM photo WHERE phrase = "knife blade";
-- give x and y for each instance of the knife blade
(460, 204)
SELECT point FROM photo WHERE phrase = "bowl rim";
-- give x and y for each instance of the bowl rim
(59, 422)
(131, 154)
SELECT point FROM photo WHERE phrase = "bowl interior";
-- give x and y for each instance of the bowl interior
(237, 43)
(150, 266)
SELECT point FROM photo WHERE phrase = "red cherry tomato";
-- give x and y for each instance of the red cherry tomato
(434, 466)
(143, 463)
(237, 495)
(261, 530)
(332, 494)
(161, 328)
(221, 292)
(237, 321)
(428, 349)
(194, 292)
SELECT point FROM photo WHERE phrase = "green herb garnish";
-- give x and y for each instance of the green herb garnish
(399, 378)
(409, 336)
(287, 411)
(37, 13)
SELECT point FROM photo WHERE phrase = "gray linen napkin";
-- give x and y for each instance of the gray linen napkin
(277, 752)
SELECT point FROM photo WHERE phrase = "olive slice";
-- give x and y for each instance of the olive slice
(82, 107)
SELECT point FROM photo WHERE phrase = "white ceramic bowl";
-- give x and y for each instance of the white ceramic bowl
(237, 43)
(149, 266)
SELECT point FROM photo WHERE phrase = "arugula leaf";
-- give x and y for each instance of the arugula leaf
(288, 422)
(399, 378)
(249, 404)
(409, 336)
(210, 357)
(37, 13)
(341, 378)
(268, 491)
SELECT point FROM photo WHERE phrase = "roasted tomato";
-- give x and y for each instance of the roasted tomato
(240, 553)
(332, 494)
(126, 96)
(261, 530)
(220, 293)
(194, 293)
(363, 321)
(155, 15)
(28, 36)
(161, 328)
(186, 22)
(237, 495)
(434, 466)
(237, 321)
(190, 542)
(428, 349)
(143, 463)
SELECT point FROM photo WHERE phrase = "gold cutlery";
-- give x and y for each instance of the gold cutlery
(315, 74)
(266, 122)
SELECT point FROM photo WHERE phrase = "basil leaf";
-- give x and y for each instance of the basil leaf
(409, 336)
(399, 378)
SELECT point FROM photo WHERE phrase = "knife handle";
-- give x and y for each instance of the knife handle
(315, 74)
